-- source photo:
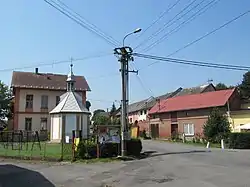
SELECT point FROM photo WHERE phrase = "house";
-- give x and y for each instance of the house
(188, 113)
(35, 94)
(69, 115)
(240, 119)
(138, 112)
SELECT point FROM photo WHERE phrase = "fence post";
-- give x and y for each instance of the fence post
(73, 145)
(222, 144)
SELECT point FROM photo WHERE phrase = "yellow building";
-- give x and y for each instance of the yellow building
(240, 117)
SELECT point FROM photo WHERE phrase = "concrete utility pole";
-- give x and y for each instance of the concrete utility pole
(125, 54)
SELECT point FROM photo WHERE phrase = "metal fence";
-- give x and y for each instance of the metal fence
(33, 145)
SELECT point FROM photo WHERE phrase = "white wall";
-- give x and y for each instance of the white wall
(36, 121)
(37, 94)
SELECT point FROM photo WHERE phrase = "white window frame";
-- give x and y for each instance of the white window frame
(29, 101)
(44, 101)
(28, 124)
(189, 127)
(44, 123)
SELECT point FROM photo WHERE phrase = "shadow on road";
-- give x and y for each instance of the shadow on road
(12, 176)
(148, 154)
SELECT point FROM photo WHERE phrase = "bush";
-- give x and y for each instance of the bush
(134, 147)
(217, 126)
(88, 149)
(239, 140)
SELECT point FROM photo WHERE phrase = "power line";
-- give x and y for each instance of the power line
(54, 63)
(181, 25)
(211, 32)
(78, 21)
(146, 89)
(204, 36)
(168, 24)
(94, 27)
(194, 63)
(159, 18)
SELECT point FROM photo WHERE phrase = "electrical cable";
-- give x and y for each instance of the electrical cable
(89, 23)
(78, 21)
(159, 18)
(194, 63)
(54, 63)
(181, 25)
(211, 32)
(168, 24)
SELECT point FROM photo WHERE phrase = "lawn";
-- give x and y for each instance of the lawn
(48, 151)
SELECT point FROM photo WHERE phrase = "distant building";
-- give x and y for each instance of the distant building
(138, 111)
(35, 94)
(188, 113)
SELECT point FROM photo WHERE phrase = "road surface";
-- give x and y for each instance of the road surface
(174, 165)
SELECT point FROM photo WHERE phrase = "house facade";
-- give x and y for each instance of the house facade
(188, 113)
(138, 112)
(36, 94)
(241, 117)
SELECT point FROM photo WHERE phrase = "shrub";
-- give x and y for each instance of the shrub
(87, 149)
(134, 147)
(217, 126)
(239, 140)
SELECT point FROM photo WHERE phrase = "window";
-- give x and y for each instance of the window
(141, 112)
(43, 123)
(29, 101)
(145, 111)
(44, 101)
(28, 124)
(130, 120)
(189, 129)
(57, 100)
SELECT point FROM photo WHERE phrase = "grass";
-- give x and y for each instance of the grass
(96, 160)
(48, 151)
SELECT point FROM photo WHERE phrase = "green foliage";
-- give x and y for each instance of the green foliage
(245, 86)
(99, 117)
(217, 126)
(88, 149)
(221, 86)
(5, 101)
(113, 110)
(239, 140)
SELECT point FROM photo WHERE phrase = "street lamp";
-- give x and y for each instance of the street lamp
(134, 32)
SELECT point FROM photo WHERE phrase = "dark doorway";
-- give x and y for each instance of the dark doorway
(154, 131)
(174, 129)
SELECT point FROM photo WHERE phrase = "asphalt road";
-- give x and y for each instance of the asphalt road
(168, 164)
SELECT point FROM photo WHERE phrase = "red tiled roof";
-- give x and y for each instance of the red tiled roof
(46, 81)
(195, 101)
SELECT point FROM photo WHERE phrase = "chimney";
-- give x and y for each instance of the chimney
(36, 70)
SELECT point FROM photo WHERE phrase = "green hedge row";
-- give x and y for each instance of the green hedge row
(88, 149)
(239, 140)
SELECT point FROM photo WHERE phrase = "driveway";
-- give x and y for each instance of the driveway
(168, 164)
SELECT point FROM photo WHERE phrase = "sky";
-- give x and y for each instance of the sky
(34, 33)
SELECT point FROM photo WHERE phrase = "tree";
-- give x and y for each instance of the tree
(113, 110)
(245, 86)
(217, 126)
(100, 118)
(5, 101)
(221, 86)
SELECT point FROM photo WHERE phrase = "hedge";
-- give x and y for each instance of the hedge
(239, 140)
(87, 149)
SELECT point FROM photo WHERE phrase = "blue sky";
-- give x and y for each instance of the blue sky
(32, 32)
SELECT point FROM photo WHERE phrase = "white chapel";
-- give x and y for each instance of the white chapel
(70, 114)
